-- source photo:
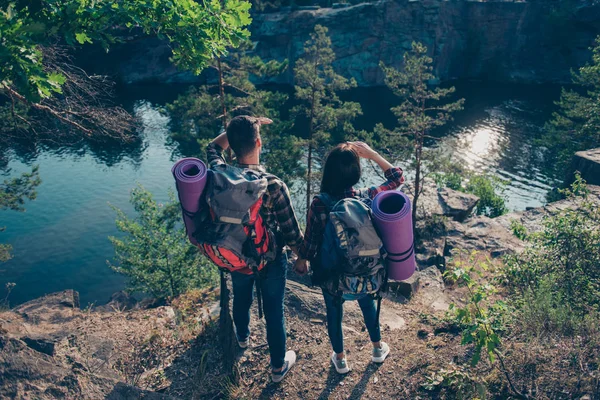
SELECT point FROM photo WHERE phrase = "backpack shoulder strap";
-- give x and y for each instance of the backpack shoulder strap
(327, 200)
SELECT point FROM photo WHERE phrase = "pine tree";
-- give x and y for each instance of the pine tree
(317, 88)
(200, 113)
(576, 124)
(421, 110)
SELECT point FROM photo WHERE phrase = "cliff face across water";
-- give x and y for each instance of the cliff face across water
(493, 40)
(526, 42)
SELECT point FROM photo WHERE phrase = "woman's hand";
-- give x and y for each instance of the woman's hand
(364, 150)
(301, 266)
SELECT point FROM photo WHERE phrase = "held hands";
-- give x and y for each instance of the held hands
(363, 150)
(301, 267)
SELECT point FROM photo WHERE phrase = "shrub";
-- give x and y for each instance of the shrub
(557, 276)
(489, 189)
(458, 381)
(518, 229)
(155, 253)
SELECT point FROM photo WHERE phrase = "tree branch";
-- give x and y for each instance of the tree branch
(47, 109)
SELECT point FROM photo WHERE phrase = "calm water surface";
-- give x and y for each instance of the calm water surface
(60, 242)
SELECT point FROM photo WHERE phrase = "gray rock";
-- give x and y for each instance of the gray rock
(457, 205)
(442, 202)
(50, 308)
(407, 288)
(119, 301)
(481, 233)
(40, 343)
(588, 164)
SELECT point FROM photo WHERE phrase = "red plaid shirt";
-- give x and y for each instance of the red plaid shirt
(319, 214)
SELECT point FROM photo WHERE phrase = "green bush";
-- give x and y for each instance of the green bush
(558, 276)
(518, 229)
(490, 192)
(489, 189)
(155, 253)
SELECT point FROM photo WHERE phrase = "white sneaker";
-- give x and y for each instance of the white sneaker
(242, 343)
(379, 354)
(341, 366)
(290, 360)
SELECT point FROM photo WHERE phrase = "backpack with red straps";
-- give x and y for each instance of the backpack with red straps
(231, 230)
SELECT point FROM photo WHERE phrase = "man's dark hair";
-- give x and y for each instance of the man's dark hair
(242, 133)
(342, 170)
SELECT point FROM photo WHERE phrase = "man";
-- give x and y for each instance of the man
(243, 136)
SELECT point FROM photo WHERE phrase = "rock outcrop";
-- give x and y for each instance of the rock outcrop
(532, 219)
(587, 163)
(443, 201)
(492, 40)
(50, 349)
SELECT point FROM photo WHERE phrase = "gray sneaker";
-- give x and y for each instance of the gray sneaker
(341, 366)
(244, 343)
(290, 360)
(379, 354)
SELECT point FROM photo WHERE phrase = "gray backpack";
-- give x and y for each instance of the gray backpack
(351, 253)
(231, 230)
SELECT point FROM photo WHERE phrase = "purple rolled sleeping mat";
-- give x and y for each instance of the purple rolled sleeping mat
(392, 217)
(190, 178)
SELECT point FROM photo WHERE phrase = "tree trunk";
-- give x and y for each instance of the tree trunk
(418, 152)
(223, 107)
(310, 150)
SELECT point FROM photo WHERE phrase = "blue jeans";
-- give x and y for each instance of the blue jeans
(335, 313)
(272, 286)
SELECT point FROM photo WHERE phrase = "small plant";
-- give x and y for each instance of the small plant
(482, 318)
(458, 381)
(518, 229)
(489, 189)
(477, 316)
(565, 254)
(4, 303)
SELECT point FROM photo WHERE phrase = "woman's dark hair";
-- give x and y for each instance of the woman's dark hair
(342, 170)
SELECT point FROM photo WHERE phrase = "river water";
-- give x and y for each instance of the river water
(60, 242)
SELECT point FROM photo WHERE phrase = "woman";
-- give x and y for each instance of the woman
(342, 171)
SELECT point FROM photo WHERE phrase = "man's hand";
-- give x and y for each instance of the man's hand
(264, 120)
(301, 266)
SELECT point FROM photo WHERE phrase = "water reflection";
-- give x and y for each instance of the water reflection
(502, 143)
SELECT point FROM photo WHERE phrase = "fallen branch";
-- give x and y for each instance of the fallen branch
(14, 94)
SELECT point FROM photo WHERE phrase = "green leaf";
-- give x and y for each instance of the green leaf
(82, 38)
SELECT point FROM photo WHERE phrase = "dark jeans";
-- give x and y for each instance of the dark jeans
(335, 313)
(272, 286)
